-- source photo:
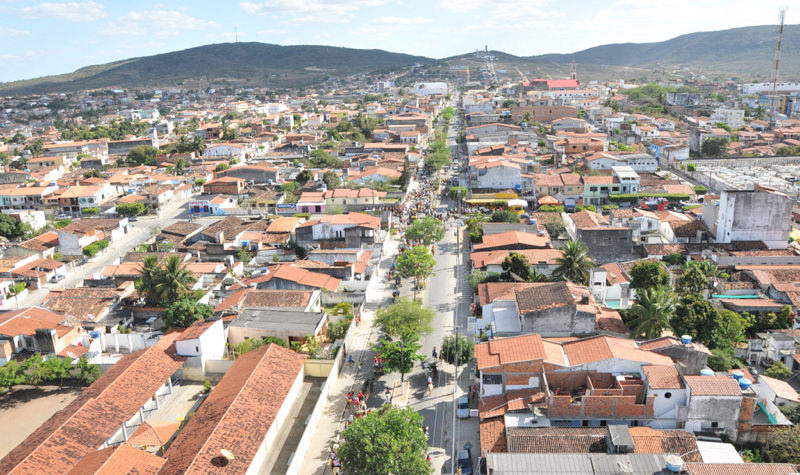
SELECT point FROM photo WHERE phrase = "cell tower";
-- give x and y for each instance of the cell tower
(773, 112)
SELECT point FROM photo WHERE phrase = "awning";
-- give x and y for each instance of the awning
(548, 200)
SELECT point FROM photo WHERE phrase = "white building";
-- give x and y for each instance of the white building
(750, 215)
(733, 117)
(430, 88)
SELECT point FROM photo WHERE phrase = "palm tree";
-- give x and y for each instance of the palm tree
(653, 310)
(174, 281)
(149, 274)
(198, 145)
(574, 264)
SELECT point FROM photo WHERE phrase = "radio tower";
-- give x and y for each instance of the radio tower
(773, 112)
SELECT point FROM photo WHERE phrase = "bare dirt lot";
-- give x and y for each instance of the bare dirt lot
(26, 408)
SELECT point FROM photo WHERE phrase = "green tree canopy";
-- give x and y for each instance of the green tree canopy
(574, 263)
(778, 370)
(304, 176)
(783, 446)
(416, 262)
(184, 312)
(388, 440)
(457, 193)
(648, 275)
(460, 346)
(504, 216)
(331, 179)
(255, 343)
(405, 315)
(697, 317)
(517, 268)
(652, 312)
(399, 355)
(714, 146)
(130, 209)
(142, 155)
(426, 231)
(691, 282)
(11, 228)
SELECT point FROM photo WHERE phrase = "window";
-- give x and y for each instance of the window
(714, 425)
(492, 379)
(592, 188)
(603, 423)
(667, 395)
(585, 423)
(616, 188)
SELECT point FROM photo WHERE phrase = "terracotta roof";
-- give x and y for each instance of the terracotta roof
(588, 219)
(712, 386)
(554, 440)
(238, 413)
(610, 320)
(501, 351)
(614, 273)
(659, 343)
(118, 459)
(545, 296)
(94, 416)
(493, 435)
(600, 348)
(512, 238)
(511, 400)
(535, 256)
(651, 441)
(195, 330)
(307, 278)
(276, 298)
(283, 225)
(25, 321)
(739, 468)
(662, 377)
(154, 434)
(782, 389)
(80, 302)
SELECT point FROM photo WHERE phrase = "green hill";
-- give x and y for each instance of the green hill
(226, 63)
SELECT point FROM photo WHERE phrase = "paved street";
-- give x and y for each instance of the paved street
(141, 231)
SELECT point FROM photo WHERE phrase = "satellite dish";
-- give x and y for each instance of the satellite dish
(227, 454)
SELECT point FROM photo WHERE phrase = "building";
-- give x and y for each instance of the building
(733, 117)
(340, 231)
(761, 214)
(606, 243)
(35, 329)
(289, 325)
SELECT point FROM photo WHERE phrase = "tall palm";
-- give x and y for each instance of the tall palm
(198, 144)
(574, 263)
(652, 312)
(174, 281)
(149, 273)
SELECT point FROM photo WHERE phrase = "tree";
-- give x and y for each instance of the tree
(36, 147)
(714, 146)
(130, 209)
(399, 355)
(406, 315)
(331, 179)
(792, 413)
(504, 216)
(691, 282)
(461, 347)
(517, 268)
(244, 256)
(184, 312)
(652, 312)
(778, 370)
(426, 231)
(149, 272)
(675, 258)
(416, 262)
(11, 228)
(93, 174)
(304, 176)
(457, 193)
(11, 375)
(648, 275)
(255, 343)
(60, 368)
(36, 371)
(142, 155)
(221, 167)
(696, 317)
(475, 226)
(574, 264)
(731, 328)
(783, 446)
(87, 372)
(388, 440)
(174, 281)
(91, 211)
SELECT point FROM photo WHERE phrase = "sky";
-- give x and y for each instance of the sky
(43, 38)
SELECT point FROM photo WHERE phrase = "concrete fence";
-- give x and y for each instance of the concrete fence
(313, 420)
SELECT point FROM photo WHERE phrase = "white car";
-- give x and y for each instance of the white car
(462, 409)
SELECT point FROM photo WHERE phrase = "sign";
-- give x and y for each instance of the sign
(505, 196)
(286, 208)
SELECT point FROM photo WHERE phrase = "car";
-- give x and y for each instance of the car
(462, 409)
(133, 218)
(63, 216)
(465, 462)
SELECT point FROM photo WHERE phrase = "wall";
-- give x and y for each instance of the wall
(754, 216)
(703, 410)
(559, 321)
(608, 244)
(332, 298)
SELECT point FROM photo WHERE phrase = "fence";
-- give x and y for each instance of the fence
(319, 408)
(332, 298)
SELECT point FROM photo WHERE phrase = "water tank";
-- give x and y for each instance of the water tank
(94, 334)
(674, 463)
(686, 339)
(706, 372)
(745, 383)
(737, 375)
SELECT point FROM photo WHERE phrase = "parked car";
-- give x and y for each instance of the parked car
(465, 462)
(133, 218)
(63, 216)
(462, 410)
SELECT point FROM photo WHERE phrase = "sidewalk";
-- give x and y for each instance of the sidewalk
(350, 377)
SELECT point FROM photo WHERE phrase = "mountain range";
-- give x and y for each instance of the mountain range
(746, 53)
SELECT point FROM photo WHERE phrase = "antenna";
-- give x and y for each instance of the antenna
(236, 32)
(781, 16)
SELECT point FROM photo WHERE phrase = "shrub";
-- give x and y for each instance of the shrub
(551, 208)
(675, 259)
(691, 167)
(700, 189)
(303, 215)
(90, 211)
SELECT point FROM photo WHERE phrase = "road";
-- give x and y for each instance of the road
(141, 231)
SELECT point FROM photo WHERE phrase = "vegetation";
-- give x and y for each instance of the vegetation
(714, 146)
(461, 347)
(517, 268)
(426, 231)
(478, 277)
(675, 259)
(475, 226)
(574, 264)
(331, 179)
(648, 275)
(783, 445)
(37, 370)
(399, 355)
(12, 229)
(388, 440)
(164, 284)
(184, 312)
(256, 343)
(92, 249)
(438, 155)
(141, 155)
(404, 316)
(652, 312)
(304, 176)
(778, 370)
(504, 216)
(457, 193)
(416, 262)
(62, 222)
(130, 209)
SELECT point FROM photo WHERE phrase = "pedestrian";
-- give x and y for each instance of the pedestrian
(433, 353)
(360, 395)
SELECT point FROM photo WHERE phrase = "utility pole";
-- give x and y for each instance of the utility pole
(773, 112)
(454, 454)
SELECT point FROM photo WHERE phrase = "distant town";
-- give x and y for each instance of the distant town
(478, 272)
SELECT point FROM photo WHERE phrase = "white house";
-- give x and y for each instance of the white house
(226, 151)
(500, 174)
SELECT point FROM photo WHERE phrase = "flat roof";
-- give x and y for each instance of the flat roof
(278, 320)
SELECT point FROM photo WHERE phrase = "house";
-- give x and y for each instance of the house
(776, 391)
(35, 329)
(497, 175)
(202, 341)
(513, 241)
(715, 404)
(226, 185)
(213, 205)
(340, 230)
(25, 197)
(543, 261)
(225, 151)
(75, 236)
(606, 243)
(610, 282)
(248, 297)
(87, 305)
(311, 202)
(40, 272)
(137, 381)
(244, 414)
(289, 325)
(761, 214)
(378, 174)
(255, 174)
(289, 277)
(349, 197)
(74, 199)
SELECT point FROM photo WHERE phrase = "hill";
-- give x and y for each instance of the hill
(225, 63)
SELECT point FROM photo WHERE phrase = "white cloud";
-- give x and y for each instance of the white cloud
(155, 22)
(70, 11)
(7, 32)
(310, 11)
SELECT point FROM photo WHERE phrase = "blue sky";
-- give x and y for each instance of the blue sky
(41, 38)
